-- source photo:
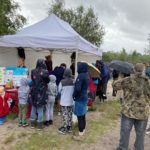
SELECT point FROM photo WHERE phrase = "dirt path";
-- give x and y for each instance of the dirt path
(110, 141)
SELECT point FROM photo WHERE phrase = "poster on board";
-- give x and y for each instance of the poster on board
(16, 74)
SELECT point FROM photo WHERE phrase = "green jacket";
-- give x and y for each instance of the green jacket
(136, 90)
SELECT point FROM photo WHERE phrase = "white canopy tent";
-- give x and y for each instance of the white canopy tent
(50, 33)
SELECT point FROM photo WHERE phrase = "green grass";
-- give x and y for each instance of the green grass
(51, 140)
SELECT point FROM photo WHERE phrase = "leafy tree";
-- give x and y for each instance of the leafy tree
(147, 50)
(84, 21)
(134, 57)
(10, 19)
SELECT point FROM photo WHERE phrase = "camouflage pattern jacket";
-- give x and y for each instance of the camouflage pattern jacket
(136, 92)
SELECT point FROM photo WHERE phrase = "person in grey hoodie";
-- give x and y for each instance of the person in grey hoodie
(52, 92)
(66, 87)
(23, 94)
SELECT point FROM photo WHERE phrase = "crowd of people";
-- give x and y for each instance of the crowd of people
(49, 86)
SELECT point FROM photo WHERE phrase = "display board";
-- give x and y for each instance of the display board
(16, 74)
(12, 74)
(2, 75)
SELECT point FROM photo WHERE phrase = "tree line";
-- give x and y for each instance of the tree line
(123, 55)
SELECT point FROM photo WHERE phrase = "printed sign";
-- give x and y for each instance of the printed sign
(16, 74)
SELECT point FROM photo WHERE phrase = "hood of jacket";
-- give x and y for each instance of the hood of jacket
(41, 64)
(67, 73)
(82, 67)
(52, 78)
(101, 63)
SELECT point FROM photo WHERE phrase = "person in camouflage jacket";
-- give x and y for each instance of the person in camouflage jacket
(135, 107)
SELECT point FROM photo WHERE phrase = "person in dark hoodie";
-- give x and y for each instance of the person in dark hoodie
(39, 96)
(105, 75)
(80, 97)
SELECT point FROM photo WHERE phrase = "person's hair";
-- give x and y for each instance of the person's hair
(63, 65)
(48, 57)
(21, 52)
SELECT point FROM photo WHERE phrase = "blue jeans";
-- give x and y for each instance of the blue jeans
(37, 112)
(126, 126)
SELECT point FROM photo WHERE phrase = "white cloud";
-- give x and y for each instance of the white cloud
(126, 22)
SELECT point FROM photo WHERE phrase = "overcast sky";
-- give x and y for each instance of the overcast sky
(126, 22)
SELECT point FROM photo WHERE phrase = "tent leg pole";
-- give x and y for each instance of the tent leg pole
(74, 117)
(76, 61)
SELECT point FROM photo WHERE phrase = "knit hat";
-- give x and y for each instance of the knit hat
(139, 67)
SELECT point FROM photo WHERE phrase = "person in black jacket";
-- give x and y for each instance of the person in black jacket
(39, 96)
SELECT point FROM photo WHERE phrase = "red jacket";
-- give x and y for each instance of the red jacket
(4, 108)
(92, 87)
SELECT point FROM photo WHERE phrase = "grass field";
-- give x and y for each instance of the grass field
(99, 122)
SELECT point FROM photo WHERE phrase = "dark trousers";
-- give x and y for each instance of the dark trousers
(81, 123)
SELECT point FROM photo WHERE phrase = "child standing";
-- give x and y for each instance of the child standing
(4, 107)
(66, 88)
(52, 92)
(23, 93)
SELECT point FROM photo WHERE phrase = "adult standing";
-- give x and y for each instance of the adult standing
(21, 63)
(105, 75)
(39, 95)
(49, 63)
(72, 67)
(22, 57)
(80, 96)
(135, 107)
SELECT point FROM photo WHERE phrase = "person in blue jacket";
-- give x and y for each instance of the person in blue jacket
(80, 97)
(105, 75)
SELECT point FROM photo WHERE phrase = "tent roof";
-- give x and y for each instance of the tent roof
(50, 33)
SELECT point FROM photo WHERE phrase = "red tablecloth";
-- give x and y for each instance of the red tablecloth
(14, 106)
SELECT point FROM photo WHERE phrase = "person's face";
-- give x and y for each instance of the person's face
(64, 67)
(20, 62)
(98, 66)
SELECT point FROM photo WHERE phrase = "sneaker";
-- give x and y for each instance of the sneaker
(62, 130)
(59, 113)
(104, 96)
(69, 129)
(46, 123)
(19, 123)
(50, 122)
(25, 124)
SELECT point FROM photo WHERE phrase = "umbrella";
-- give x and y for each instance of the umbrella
(93, 71)
(122, 66)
